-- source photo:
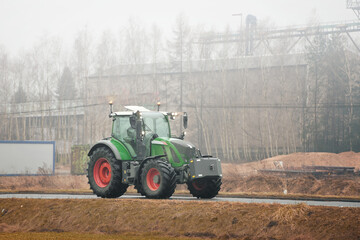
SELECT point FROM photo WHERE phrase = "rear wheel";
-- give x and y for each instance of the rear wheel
(204, 188)
(158, 179)
(104, 174)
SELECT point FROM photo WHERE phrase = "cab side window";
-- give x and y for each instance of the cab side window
(120, 126)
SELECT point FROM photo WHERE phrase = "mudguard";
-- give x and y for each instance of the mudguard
(108, 144)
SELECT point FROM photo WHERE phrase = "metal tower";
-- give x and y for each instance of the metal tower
(355, 6)
(269, 38)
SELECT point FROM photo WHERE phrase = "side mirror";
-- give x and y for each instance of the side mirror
(185, 119)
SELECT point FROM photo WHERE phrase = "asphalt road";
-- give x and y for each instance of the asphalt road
(186, 198)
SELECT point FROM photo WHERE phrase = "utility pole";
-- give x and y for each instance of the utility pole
(181, 76)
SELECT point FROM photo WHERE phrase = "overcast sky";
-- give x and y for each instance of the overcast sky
(23, 22)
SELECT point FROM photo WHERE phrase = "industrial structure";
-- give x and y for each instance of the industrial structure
(294, 37)
(46, 121)
(355, 6)
(271, 64)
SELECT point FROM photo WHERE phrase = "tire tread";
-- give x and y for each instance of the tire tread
(210, 191)
(168, 178)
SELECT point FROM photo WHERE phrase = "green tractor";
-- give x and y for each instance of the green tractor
(142, 152)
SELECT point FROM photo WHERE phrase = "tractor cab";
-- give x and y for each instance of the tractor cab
(137, 128)
(153, 124)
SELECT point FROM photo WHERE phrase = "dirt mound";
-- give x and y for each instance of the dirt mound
(296, 161)
(246, 177)
(307, 184)
(219, 220)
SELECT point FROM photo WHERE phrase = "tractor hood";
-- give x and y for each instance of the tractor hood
(183, 149)
(186, 149)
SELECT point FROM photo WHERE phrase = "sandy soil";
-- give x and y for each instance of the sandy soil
(217, 220)
(296, 161)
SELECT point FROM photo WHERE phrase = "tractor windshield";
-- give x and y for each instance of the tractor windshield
(157, 123)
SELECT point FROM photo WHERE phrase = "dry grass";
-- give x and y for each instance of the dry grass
(38, 183)
(219, 220)
(288, 214)
(291, 196)
(83, 236)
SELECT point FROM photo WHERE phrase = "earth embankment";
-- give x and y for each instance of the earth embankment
(217, 220)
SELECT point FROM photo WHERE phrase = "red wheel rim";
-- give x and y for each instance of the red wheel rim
(199, 185)
(153, 179)
(102, 172)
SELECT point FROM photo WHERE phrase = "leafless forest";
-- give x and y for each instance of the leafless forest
(247, 99)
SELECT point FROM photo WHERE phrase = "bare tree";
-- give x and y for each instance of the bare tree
(5, 94)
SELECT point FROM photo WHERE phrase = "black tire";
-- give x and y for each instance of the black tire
(158, 179)
(204, 188)
(139, 189)
(104, 174)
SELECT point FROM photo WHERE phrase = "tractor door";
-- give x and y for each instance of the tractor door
(123, 132)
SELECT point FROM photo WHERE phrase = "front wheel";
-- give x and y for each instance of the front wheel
(158, 179)
(104, 174)
(204, 188)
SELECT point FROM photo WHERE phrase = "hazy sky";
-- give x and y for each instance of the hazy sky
(23, 22)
